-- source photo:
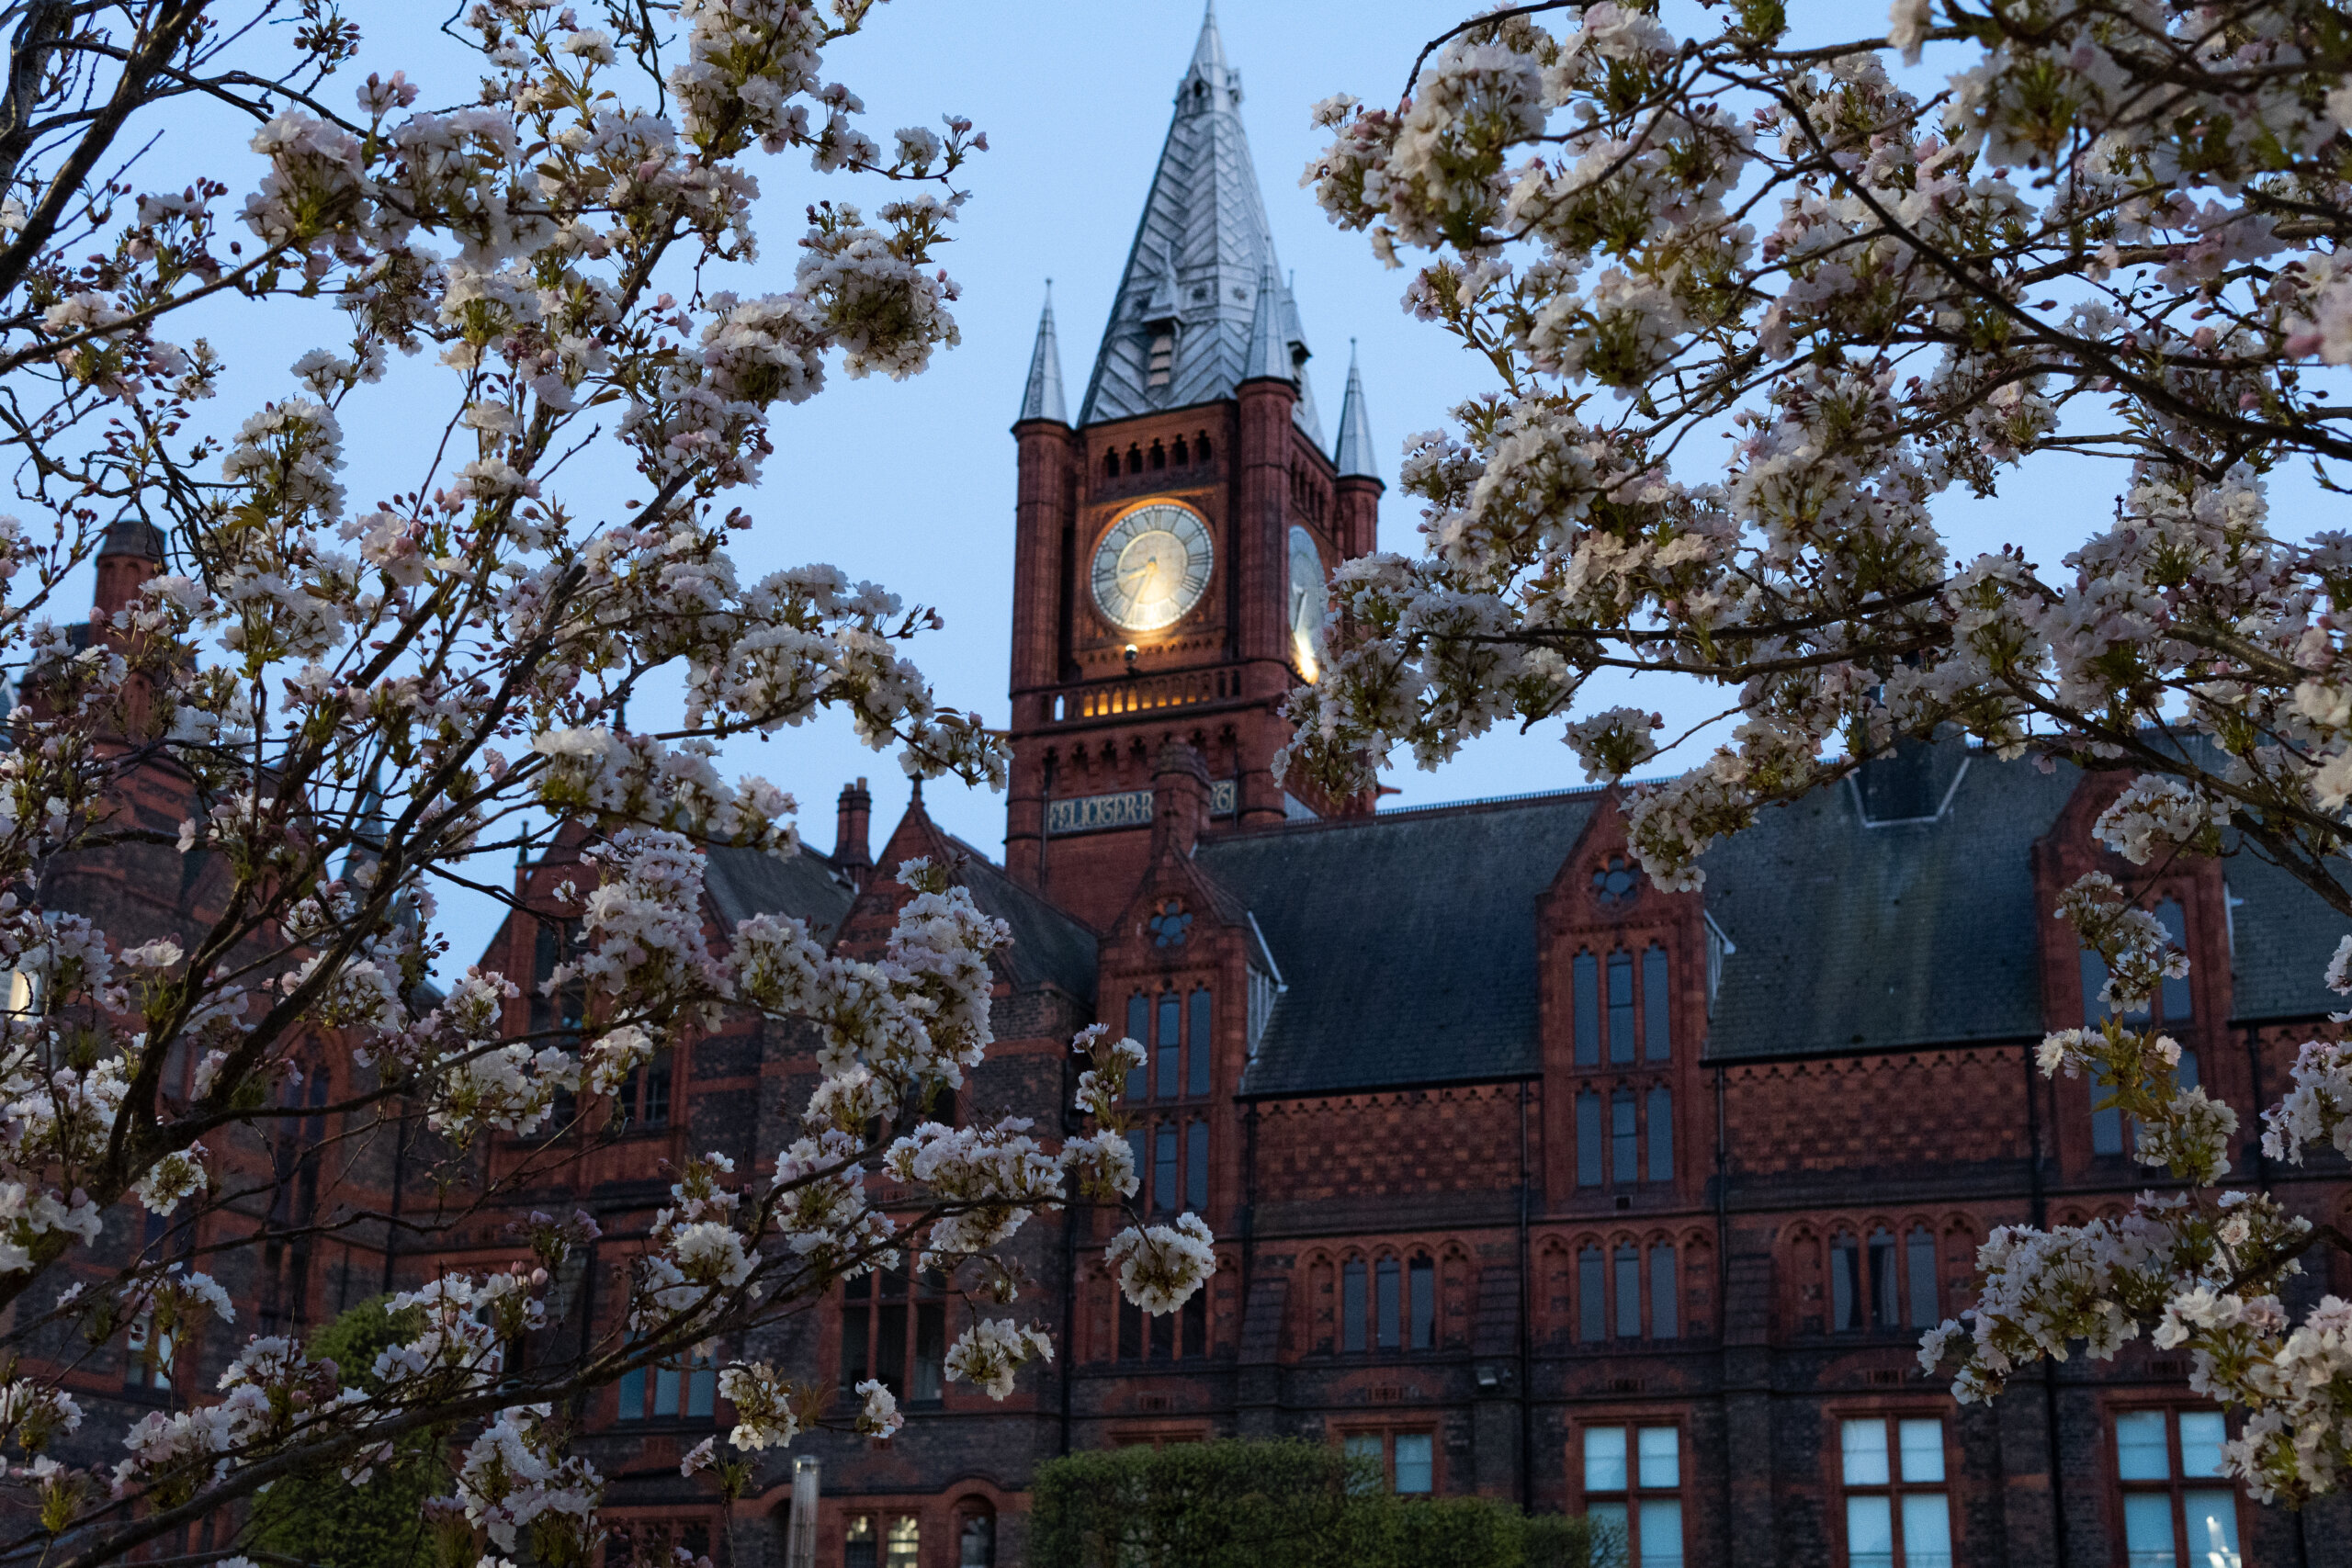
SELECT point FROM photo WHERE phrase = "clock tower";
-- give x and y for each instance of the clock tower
(1172, 545)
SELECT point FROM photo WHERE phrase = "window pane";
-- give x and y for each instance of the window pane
(1661, 1455)
(2093, 980)
(2139, 1446)
(1197, 1167)
(1588, 1139)
(978, 1547)
(1163, 1178)
(1415, 1472)
(1661, 1535)
(1130, 1331)
(1351, 1305)
(1661, 1133)
(1604, 1459)
(702, 1389)
(1424, 1321)
(665, 1392)
(854, 1336)
(890, 1348)
(1621, 1007)
(2107, 1121)
(1926, 1308)
(1845, 1283)
(1663, 1290)
(2202, 1437)
(930, 1350)
(1884, 1308)
(1923, 1448)
(632, 1383)
(1167, 1084)
(2184, 1075)
(1869, 1533)
(1862, 1445)
(1654, 1039)
(1195, 1338)
(1139, 1148)
(905, 1547)
(2213, 1528)
(1363, 1446)
(1138, 1030)
(1201, 1046)
(1629, 1293)
(1608, 1534)
(2147, 1530)
(1592, 1297)
(1391, 1326)
(1588, 994)
(858, 1544)
(1926, 1530)
(1624, 1162)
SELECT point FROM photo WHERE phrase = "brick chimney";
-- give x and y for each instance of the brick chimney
(1179, 799)
(131, 553)
(854, 812)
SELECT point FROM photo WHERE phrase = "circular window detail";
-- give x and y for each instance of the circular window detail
(1616, 883)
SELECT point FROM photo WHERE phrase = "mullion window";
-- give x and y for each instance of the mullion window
(1633, 1493)
(2179, 1507)
(1897, 1513)
(893, 1335)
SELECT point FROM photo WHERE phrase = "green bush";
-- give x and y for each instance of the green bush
(320, 1519)
(1272, 1505)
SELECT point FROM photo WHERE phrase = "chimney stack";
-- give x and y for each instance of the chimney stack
(1179, 799)
(851, 855)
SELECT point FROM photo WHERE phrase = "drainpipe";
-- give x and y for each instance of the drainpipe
(1526, 1329)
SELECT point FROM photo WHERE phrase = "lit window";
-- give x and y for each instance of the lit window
(1897, 1512)
(2179, 1509)
(1633, 1485)
(858, 1544)
(903, 1548)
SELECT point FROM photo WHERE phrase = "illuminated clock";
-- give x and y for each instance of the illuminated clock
(1306, 604)
(1153, 566)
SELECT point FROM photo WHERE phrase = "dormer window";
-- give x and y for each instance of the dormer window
(1162, 359)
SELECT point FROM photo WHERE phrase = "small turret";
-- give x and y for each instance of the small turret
(1041, 399)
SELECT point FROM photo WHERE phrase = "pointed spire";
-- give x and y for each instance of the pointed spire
(1042, 398)
(1269, 353)
(1354, 460)
(1181, 326)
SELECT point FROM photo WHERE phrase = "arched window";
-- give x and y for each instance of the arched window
(1158, 456)
(1625, 1140)
(1111, 464)
(1587, 973)
(1656, 1040)
(2176, 994)
(1620, 1008)
(1390, 1285)
(1169, 1082)
(1661, 1120)
(1197, 1077)
(1662, 1291)
(1352, 1304)
(1135, 460)
(1592, 1295)
(1845, 1283)
(1629, 1290)
(976, 1537)
(1885, 1310)
(1919, 1259)
(1196, 1166)
(1422, 1321)
(1588, 1139)
(1164, 1190)
(1183, 453)
(1201, 444)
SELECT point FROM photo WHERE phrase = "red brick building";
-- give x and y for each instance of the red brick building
(1529, 1180)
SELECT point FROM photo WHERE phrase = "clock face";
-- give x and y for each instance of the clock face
(1305, 603)
(1153, 566)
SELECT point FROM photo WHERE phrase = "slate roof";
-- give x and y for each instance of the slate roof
(1200, 256)
(1354, 457)
(1406, 941)
(743, 883)
(1848, 934)
(1049, 946)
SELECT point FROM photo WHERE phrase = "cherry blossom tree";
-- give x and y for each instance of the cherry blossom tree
(355, 703)
(1880, 272)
